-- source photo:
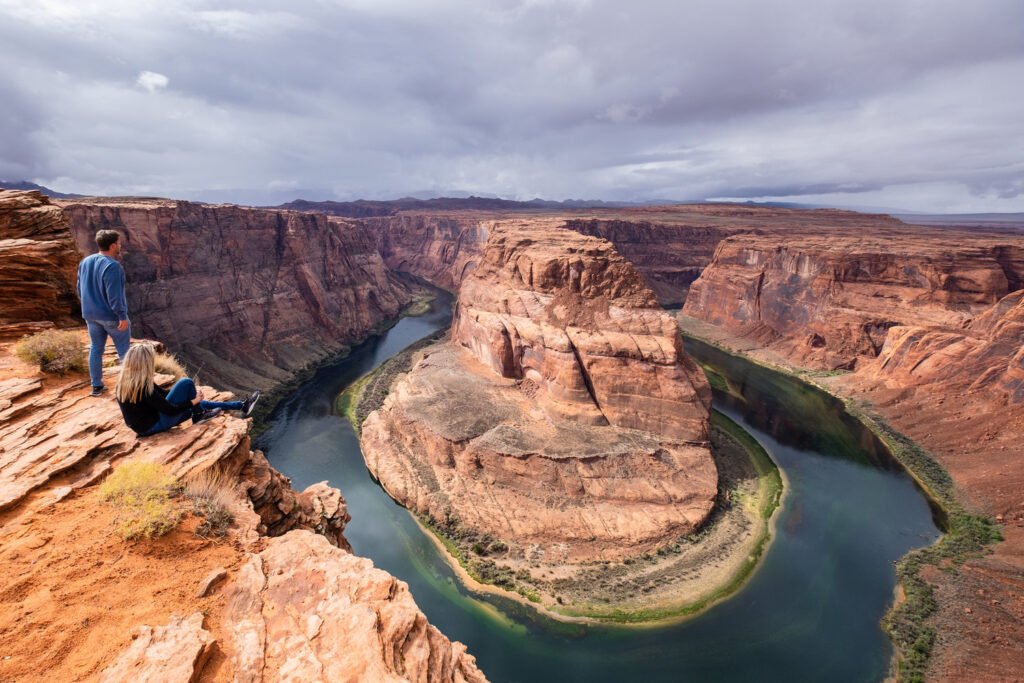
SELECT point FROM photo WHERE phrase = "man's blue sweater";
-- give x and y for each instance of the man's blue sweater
(101, 289)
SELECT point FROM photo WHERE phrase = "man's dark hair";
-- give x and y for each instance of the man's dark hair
(107, 238)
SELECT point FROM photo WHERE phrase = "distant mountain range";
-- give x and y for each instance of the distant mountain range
(459, 200)
(25, 185)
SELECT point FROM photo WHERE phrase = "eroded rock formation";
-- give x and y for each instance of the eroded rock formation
(930, 322)
(987, 355)
(828, 301)
(439, 248)
(38, 265)
(669, 257)
(247, 296)
(304, 610)
(70, 587)
(563, 418)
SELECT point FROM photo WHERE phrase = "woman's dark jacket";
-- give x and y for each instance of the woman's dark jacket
(143, 414)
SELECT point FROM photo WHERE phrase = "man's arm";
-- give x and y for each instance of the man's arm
(113, 286)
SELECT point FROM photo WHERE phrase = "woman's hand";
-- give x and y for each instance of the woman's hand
(198, 398)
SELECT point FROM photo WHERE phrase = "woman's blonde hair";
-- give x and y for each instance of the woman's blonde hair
(137, 368)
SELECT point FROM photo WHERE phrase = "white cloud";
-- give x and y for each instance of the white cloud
(151, 81)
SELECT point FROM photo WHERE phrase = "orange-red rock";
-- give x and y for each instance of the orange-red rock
(563, 418)
(38, 265)
(304, 610)
(828, 300)
(247, 296)
(930, 319)
(70, 587)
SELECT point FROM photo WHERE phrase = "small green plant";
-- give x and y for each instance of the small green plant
(54, 351)
(213, 498)
(141, 493)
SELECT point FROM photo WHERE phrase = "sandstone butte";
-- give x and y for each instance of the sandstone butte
(79, 603)
(811, 289)
(563, 418)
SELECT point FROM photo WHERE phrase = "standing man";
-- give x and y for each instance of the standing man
(104, 305)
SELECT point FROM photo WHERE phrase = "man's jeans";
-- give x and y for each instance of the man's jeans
(99, 330)
(183, 391)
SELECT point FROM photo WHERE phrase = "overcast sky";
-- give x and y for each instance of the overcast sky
(913, 104)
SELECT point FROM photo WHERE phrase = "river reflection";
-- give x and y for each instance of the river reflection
(810, 613)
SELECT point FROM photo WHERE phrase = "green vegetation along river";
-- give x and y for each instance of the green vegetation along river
(811, 611)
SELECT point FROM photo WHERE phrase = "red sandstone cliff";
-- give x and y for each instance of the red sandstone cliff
(247, 296)
(563, 418)
(38, 264)
(439, 248)
(931, 321)
(828, 301)
(669, 257)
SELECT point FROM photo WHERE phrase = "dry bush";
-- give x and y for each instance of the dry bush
(214, 498)
(55, 351)
(141, 493)
(167, 364)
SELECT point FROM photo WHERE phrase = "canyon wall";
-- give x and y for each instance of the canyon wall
(438, 248)
(988, 355)
(828, 301)
(38, 265)
(669, 257)
(246, 296)
(931, 323)
(563, 417)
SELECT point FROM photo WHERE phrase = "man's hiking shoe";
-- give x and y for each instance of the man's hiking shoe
(98, 391)
(205, 415)
(250, 403)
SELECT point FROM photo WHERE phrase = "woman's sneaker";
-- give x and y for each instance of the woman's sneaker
(205, 415)
(250, 403)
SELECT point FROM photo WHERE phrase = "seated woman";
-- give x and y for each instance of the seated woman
(149, 409)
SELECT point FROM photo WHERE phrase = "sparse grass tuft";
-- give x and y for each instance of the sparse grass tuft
(213, 497)
(54, 351)
(141, 494)
(167, 364)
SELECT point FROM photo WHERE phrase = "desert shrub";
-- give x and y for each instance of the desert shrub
(54, 351)
(167, 364)
(141, 493)
(213, 498)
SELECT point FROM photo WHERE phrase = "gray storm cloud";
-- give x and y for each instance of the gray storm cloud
(899, 103)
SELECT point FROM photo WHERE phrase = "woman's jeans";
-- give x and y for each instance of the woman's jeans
(99, 330)
(183, 391)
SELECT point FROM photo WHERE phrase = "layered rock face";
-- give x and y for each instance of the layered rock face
(987, 355)
(930, 320)
(671, 245)
(563, 418)
(38, 265)
(669, 257)
(304, 610)
(569, 315)
(827, 301)
(247, 296)
(439, 248)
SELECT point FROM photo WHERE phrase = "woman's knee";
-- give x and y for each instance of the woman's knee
(183, 390)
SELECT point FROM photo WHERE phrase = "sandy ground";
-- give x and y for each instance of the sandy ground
(71, 589)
